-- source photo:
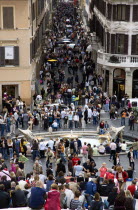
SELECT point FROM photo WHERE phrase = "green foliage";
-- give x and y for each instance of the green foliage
(135, 111)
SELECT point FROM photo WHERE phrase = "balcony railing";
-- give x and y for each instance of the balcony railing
(117, 59)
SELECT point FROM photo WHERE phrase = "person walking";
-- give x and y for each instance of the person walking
(113, 150)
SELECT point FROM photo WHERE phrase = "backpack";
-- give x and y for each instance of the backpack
(136, 194)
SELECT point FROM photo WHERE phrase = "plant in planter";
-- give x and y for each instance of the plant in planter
(113, 59)
(135, 111)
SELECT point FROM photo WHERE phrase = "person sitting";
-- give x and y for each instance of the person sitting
(107, 149)
(95, 150)
(101, 149)
(103, 188)
(112, 196)
(18, 197)
(75, 203)
(96, 203)
(49, 182)
(53, 198)
(38, 195)
(55, 125)
(132, 187)
(130, 201)
(120, 201)
(101, 128)
(4, 198)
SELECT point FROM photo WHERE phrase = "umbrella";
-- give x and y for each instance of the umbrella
(89, 48)
(52, 60)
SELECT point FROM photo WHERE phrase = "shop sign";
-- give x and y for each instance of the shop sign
(9, 53)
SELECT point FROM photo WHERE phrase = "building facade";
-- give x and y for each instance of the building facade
(22, 25)
(115, 24)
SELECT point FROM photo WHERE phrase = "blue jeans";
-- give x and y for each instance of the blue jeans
(70, 124)
(123, 121)
(35, 154)
(62, 157)
(5, 155)
(135, 152)
(8, 128)
(2, 129)
(94, 120)
(11, 152)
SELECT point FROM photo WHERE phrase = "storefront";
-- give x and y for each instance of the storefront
(119, 77)
(135, 84)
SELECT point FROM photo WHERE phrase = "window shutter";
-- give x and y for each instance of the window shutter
(127, 12)
(126, 44)
(109, 11)
(108, 42)
(16, 56)
(114, 12)
(113, 42)
(135, 13)
(133, 45)
(8, 20)
(30, 52)
(2, 56)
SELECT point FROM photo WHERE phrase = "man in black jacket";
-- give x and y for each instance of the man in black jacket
(4, 198)
(130, 156)
(112, 196)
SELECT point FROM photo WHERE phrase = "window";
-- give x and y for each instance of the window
(134, 46)
(121, 12)
(121, 44)
(8, 18)
(9, 56)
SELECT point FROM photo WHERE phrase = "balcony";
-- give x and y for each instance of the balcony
(117, 60)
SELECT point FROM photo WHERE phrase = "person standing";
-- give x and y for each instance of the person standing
(85, 152)
(49, 157)
(113, 149)
(10, 147)
(135, 148)
(35, 149)
(130, 156)
(12, 125)
(131, 121)
(25, 119)
(123, 117)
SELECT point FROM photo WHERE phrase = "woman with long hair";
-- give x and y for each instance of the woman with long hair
(130, 201)
(120, 201)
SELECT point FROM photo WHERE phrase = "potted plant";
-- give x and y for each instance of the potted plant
(113, 59)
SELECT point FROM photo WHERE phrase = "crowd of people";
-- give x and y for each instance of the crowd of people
(72, 179)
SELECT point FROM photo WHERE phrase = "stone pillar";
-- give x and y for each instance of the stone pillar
(110, 82)
(128, 82)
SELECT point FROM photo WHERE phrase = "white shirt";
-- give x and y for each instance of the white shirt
(69, 195)
(123, 146)
(113, 146)
(22, 184)
(42, 146)
(42, 178)
(78, 170)
(63, 114)
(51, 144)
(16, 116)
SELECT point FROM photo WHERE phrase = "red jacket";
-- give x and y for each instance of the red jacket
(53, 200)
(124, 175)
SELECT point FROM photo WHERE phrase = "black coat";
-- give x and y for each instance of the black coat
(19, 198)
(4, 199)
(111, 198)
